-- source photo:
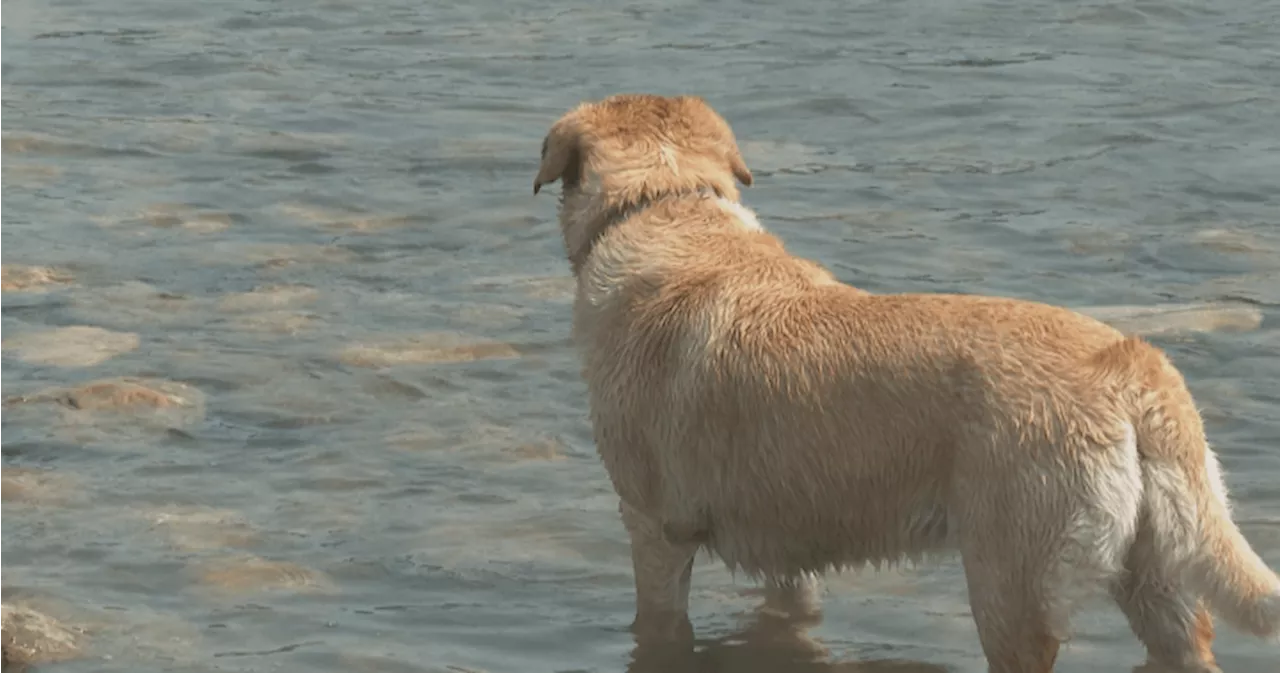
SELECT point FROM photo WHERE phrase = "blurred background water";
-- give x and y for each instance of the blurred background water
(286, 364)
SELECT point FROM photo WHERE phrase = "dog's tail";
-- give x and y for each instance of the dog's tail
(1184, 497)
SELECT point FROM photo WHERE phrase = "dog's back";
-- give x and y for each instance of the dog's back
(740, 372)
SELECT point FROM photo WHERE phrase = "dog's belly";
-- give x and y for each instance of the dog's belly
(788, 491)
(832, 538)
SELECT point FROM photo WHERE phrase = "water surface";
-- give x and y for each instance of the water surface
(291, 389)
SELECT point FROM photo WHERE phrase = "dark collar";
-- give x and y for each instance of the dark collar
(614, 216)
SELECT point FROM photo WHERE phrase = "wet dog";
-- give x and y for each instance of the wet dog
(745, 401)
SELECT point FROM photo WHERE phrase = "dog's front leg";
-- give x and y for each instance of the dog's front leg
(663, 567)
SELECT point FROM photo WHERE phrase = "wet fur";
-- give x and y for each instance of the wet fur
(745, 401)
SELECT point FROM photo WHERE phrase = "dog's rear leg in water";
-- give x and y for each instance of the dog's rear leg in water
(1169, 619)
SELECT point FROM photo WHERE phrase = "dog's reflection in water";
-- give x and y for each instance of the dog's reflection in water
(775, 640)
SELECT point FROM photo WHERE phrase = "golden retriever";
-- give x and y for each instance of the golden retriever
(745, 401)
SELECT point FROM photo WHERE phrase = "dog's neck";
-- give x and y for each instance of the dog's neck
(586, 214)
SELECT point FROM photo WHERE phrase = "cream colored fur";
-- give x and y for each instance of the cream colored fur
(745, 401)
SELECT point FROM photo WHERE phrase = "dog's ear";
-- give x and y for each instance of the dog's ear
(561, 154)
(739, 167)
(719, 127)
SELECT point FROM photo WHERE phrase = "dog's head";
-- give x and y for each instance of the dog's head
(635, 146)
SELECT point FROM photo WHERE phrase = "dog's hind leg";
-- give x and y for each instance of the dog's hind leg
(797, 597)
(790, 609)
(1011, 613)
(1172, 624)
(663, 568)
(1007, 549)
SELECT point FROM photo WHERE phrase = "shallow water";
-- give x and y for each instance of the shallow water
(337, 424)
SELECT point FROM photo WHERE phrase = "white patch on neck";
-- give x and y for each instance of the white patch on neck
(669, 158)
(741, 213)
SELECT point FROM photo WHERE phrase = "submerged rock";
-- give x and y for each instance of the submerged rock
(173, 216)
(491, 316)
(1177, 318)
(326, 218)
(482, 441)
(430, 348)
(37, 487)
(268, 298)
(124, 394)
(199, 528)
(41, 629)
(280, 255)
(32, 637)
(548, 288)
(243, 574)
(76, 346)
(275, 322)
(542, 449)
(30, 175)
(271, 309)
(22, 278)
(119, 404)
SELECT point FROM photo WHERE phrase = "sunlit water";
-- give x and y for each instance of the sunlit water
(351, 434)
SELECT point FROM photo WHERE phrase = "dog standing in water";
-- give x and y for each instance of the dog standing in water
(745, 401)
